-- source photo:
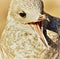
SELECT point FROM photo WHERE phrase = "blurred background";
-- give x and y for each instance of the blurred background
(4, 5)
(50, 6)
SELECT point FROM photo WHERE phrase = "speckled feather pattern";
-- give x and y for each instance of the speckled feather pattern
(21, 41)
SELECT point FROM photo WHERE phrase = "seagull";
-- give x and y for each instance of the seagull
(22, 35)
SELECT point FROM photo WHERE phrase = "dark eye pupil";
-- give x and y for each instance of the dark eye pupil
(22, 14)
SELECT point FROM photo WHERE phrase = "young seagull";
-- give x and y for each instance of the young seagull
(28, 12)
(34, 9)
(22, 36)
(31, 12)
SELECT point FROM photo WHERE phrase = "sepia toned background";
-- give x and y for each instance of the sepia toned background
(50, 6)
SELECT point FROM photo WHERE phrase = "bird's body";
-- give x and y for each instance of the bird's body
(19, 39)
(22, 41)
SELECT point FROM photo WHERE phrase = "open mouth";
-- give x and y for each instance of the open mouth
(39, 30)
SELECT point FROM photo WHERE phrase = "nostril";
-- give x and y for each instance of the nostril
(42, 17)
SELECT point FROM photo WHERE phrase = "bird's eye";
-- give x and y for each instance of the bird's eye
(22, 14)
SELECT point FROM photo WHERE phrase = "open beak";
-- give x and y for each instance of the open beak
(40, 31)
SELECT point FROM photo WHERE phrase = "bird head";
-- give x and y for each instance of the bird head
(25, 11)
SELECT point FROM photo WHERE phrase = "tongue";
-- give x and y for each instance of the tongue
(40, 32)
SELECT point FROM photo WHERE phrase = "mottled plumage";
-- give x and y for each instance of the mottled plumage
(19, 40)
